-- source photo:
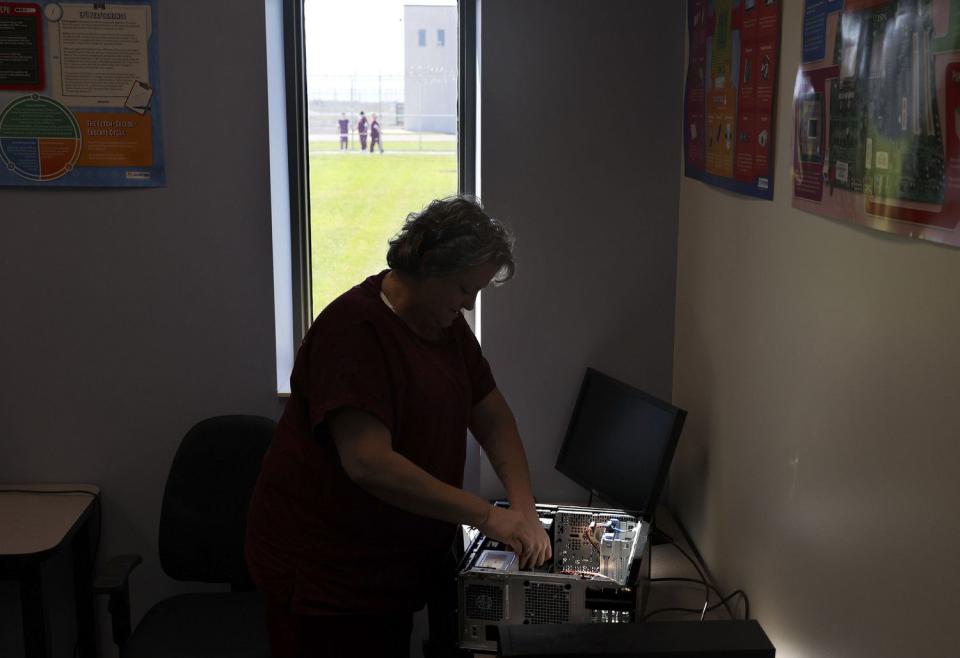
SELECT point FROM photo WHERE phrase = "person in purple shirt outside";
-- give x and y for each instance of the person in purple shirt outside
(375, 133)
(362, 131)
(344, 123)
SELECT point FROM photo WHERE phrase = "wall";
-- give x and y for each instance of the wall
(589, 190)
(136, 313)
(130, 315)
(818, 468)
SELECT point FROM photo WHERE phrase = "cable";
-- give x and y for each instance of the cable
(703, 577)
(688, 580)
(661, 532)
(702, 611)
(693, 547)
(696, 566)
(689, 541)
(746, 601)
(707, 586)
(729, 596)
(662, 610)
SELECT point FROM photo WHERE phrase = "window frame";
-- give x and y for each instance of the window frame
(298, 164)
(298, 150)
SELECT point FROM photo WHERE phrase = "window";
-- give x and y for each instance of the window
(361, 133)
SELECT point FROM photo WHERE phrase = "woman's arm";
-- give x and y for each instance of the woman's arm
(368, 458)
(495, 428)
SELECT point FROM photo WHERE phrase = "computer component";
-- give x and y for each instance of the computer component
(592, 578)
(498, 562)
(586, 540)
(619, 444)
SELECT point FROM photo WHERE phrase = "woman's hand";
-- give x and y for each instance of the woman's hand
(521, 532)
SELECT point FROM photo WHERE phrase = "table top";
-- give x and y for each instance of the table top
(34, 518)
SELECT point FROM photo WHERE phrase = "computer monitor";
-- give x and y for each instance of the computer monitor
(620, 442)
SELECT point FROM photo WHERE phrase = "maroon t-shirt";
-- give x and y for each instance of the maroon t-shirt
(312, 533)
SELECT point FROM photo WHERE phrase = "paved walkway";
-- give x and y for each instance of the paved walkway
(386, 151)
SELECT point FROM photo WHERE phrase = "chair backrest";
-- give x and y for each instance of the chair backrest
(204, 514)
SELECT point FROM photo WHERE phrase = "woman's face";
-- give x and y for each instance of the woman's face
(442, 296)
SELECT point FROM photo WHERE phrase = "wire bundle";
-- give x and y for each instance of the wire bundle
(708, 588)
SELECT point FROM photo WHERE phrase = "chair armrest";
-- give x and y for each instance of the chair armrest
(114, 580)
(116, 574)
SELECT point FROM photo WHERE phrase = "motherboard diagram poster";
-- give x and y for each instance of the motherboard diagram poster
(79, 94)
(877, 115)
(731, 90)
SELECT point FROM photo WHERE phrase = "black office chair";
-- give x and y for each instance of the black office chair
(202, 526)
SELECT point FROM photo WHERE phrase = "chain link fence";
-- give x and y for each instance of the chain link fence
(416, 113)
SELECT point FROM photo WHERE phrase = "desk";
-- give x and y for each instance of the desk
(716, 637)
(35, 524)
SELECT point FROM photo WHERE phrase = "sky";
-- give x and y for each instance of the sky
(346, 37)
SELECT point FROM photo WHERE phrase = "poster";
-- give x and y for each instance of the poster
(79, 95)
(877, 115)
(729, 120)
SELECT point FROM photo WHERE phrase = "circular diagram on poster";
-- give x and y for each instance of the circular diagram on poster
(53, 12)
(39, 138)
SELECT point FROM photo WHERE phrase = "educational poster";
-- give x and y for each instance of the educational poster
(729, 128)
(79, 96)
(877, 115)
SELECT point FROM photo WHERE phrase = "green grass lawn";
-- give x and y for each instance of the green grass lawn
(357, 203)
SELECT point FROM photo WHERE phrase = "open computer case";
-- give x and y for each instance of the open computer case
(619, 444)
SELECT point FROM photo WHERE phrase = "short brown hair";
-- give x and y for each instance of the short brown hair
(456, 234)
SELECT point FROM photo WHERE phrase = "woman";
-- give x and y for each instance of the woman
(360, 493)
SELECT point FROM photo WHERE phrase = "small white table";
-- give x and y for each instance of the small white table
(37, 521)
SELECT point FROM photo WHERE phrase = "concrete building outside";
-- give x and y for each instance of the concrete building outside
(430, 68)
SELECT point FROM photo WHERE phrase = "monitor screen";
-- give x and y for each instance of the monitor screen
(620, 442)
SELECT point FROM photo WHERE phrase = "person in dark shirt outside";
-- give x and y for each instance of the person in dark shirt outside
(375, 133)
(360, 495)
(362, 131)
(344, 124)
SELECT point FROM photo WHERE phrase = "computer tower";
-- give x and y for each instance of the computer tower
(619, 445)
(593, 578)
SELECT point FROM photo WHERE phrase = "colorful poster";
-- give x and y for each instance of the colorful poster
(877, 115)
(728, 132)
(79, 94)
